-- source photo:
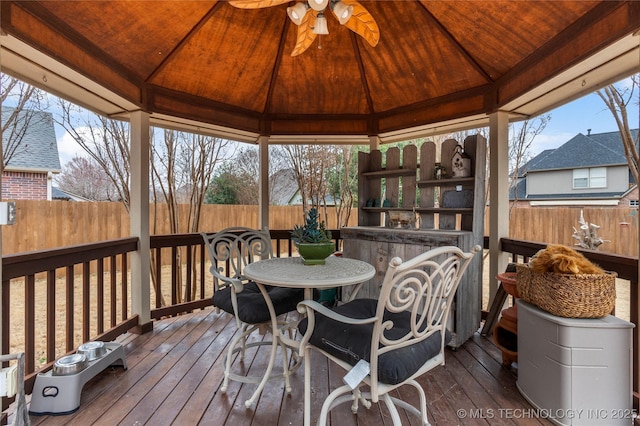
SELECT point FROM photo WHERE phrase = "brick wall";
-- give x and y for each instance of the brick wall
(24, 186)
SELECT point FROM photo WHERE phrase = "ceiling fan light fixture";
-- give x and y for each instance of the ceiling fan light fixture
(320, 26)
(342, 11)
(318, 5)
(297, 12)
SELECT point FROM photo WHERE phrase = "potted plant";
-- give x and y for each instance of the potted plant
(312, 239)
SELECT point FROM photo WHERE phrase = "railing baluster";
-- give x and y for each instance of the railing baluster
(86, 301)
(125, 282)
(51, 315)
(189, 284)
(30, 323)
(6, 304)
(69, 326)
(174, 276)
(158, 266)
(100, 296)
(114, 296)
(202, 270)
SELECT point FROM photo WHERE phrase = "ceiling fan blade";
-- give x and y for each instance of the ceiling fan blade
(362, 23)
(256, 4)
(306, 36)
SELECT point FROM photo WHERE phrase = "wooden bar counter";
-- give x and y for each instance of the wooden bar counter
(378, 245)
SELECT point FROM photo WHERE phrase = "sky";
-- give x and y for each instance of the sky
(588, 112)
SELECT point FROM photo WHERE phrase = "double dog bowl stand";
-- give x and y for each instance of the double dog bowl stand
(59, 395)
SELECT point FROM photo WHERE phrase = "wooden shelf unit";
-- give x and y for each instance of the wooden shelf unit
(411, 186)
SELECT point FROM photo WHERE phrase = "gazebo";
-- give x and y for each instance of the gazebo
(214, 68)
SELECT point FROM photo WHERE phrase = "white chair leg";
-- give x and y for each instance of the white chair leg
(307, 386)
(267, 374)
(392, 409)
(358, 398)
(423, 401)
(332, 400)
(245, 335)
(238, 344)
(285, 367)
(227, 364)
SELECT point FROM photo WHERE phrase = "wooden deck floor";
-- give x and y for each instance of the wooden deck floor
(174, 374)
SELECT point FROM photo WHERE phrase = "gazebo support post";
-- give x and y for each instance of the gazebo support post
(263, 182)
(499, 196)
(139, 216)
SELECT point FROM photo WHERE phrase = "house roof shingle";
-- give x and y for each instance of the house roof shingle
(592, 150)
(38, 150)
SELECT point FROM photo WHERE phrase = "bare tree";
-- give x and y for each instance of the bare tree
(521, 139)
(105, 140)
(616, 99)
(84, 177)
(181, 165)
(310, 165)
(20, 102)
(344, 182)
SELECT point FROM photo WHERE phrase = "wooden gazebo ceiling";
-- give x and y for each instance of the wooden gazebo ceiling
(219, 67)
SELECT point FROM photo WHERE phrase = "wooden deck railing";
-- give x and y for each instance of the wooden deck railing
(94, 273)
(96, 270)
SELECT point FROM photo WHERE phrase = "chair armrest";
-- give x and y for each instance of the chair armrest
(310, 307)
(236, 283)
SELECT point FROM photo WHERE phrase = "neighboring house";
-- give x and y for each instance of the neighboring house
(587, 170)
(283, 188)
(31, 166)
(61, 195)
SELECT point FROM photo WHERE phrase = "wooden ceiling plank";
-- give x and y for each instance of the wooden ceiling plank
(523, 70)
(457, 44)
(232, 62)
(178, 47)
(36, 10)
(276, 67)
(363, 74)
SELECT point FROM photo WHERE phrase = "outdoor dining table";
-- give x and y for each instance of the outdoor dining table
(291, 272)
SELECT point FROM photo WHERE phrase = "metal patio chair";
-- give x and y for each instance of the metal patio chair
(230, 250)
(391, 341)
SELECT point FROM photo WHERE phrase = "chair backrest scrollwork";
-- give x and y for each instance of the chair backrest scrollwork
(231, 249)
(424, 287)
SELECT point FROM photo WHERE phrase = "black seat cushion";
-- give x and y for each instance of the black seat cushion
(252, 308)
(351, 343)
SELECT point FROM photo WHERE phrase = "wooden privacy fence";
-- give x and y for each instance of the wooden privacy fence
(555, 225)
(50, 224)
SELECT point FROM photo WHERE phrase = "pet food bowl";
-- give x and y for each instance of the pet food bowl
(93, 350)
(70, 364)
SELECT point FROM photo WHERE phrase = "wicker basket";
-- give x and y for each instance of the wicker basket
(568, 295)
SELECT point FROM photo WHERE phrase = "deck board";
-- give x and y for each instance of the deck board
(175, 372)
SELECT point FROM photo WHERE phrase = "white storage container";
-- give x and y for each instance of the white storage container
(575, 371)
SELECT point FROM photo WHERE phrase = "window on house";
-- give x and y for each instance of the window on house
(590, 178)
(633, 203)
(580, 178)
(598, 177)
